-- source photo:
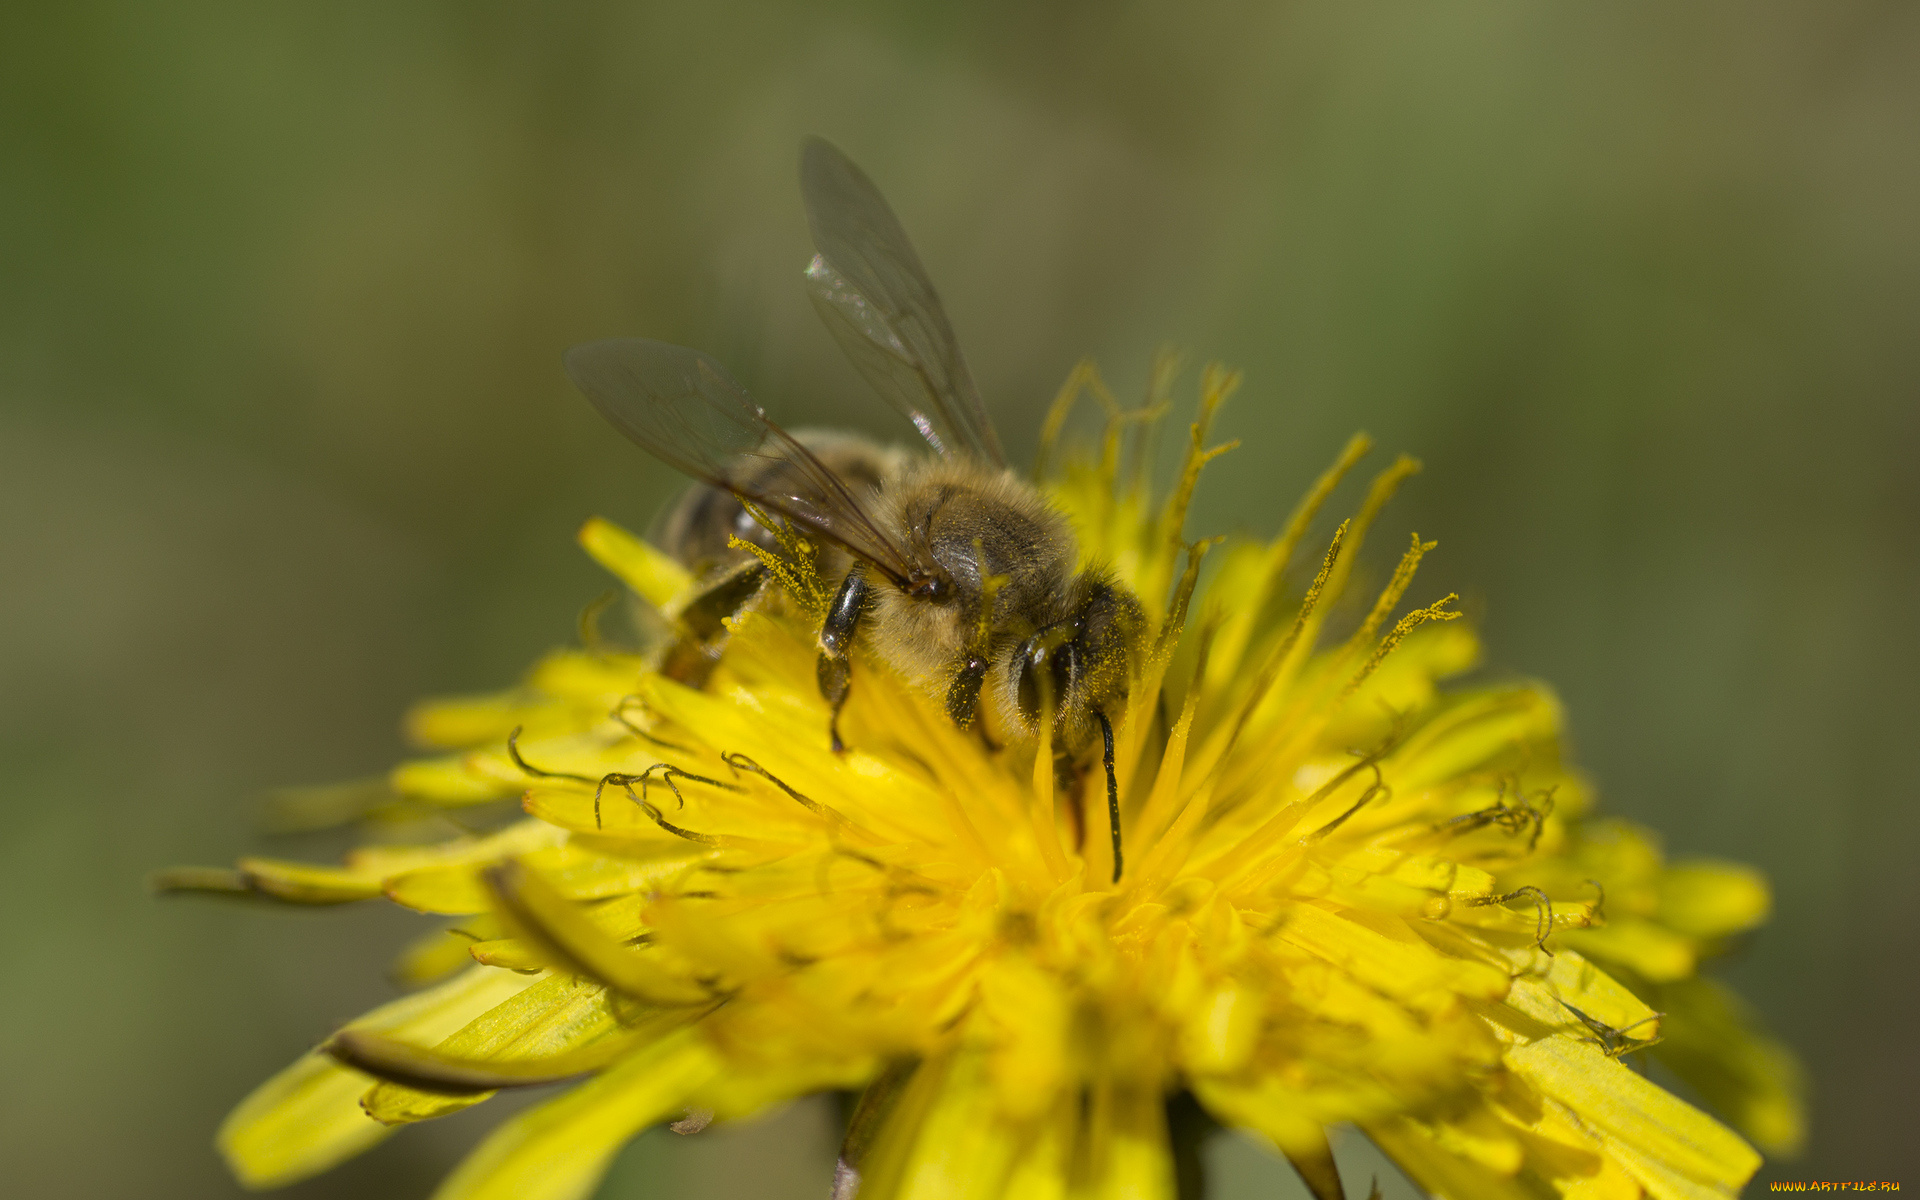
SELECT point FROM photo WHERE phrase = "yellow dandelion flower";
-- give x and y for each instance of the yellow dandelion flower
(1348, 896)
(1291, 881)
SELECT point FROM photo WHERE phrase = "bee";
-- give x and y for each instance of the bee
(952, 569)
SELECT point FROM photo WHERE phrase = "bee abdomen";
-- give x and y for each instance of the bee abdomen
(700, 526)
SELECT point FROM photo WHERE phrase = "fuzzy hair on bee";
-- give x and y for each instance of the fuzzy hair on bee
(953, 570)
(1011, 559)
(701, 526)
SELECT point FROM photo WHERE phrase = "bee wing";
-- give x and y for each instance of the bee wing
(683, 408)
(870, 289)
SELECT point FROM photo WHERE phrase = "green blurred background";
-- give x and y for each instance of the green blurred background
(284, 441)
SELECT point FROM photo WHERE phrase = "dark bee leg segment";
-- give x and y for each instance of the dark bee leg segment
(1066, 782)
(1113, 787)
(703, 633)
(963, 694)
(835, 669)
(705, 615)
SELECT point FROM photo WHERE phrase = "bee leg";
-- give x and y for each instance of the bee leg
(1066, 782)
(1113, 787)
(835, 669)
(705, 616)
(963, 694)
(692, 656)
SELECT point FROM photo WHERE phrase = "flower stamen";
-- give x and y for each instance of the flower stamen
(668, 772)
(1543, 910)
(513, 752)
(619, 713)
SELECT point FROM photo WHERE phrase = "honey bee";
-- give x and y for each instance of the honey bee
(952, 569)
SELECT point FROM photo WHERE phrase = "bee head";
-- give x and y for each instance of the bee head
(1079, 665)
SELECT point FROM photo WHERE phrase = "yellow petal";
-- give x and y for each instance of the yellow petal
(1481, 1137)
(943, 1140)
(1652, 951)
(1317, 1170)
(297, 1124)
(511, 953)
(595, 680)
(453, 780)
(1264, 1106)
(433, 1072)
(1405, 681)
(647, 571)
(1477, 727)
(1571, 979)
(1219, 1036)
(1032, 1016)
(308, 1117)
(1610, 1182)
(271, 879)
(432, 958)
(562, 933)
(1446, 1175)
(560, 1150)
(1672, 1148)
(763, 1073)
(1128, 1142)
(949, 1138)
(1716, 1044)
(579, 873)
(1400, 965)
(454, 891)
(446, 879)
(556, 1015)
(303, 883)
(1560, 1151)
(1706, 899)
(385, 862)
(458, 722)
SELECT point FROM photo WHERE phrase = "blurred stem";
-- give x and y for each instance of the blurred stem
(864, 1119)
(1188, 1128)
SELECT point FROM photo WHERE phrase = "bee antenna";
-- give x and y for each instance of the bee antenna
(1113, 787)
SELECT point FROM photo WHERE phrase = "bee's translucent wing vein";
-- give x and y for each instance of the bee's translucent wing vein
(683, 408)
(875, 297)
